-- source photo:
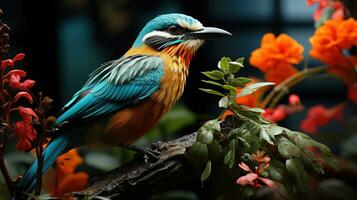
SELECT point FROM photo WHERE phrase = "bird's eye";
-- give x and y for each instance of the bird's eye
(175, 30)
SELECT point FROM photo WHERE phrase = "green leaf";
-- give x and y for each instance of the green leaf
(229, 87)
(230, 157)
(214, 151)
(275, 174)
(206, 172)
(223, 102)
(224, 63)
(265, 136)
(252, 88)
(296, 169)
(197, 155)
(276, 130)
(234, 67)
(240, 81)
(205, 136)
(256, 110)
(212, 83)
(288, 150)
(244, 142)
(215, 74)
(240, 60)
(213, 125)
(210, 91)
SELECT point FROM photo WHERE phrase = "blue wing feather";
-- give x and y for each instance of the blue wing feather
(126, 81)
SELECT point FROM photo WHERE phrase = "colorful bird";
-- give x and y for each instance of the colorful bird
(124, 98)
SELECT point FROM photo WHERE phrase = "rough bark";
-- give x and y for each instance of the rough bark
(141, 180)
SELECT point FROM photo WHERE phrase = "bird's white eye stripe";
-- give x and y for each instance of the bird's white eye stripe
(193, 27)
(159, 33)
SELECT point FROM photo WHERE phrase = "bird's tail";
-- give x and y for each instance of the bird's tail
(50, 154)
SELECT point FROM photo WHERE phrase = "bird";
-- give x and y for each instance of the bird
(123, 98)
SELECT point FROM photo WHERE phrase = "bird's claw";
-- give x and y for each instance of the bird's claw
(151, 156)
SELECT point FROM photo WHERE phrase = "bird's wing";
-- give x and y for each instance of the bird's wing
(113, 86)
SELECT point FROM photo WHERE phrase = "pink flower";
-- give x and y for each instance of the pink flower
(294, 100)
(252, 178)
(319, 116)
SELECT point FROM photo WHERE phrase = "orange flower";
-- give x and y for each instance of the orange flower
(70, 183)
(276, 57)
(67, 180)
(328, 45)
(67, 162)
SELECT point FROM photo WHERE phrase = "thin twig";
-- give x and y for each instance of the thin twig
(290, 82)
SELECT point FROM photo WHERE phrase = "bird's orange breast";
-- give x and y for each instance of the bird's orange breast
(129, 124)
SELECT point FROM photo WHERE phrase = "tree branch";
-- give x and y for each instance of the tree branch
(140, 180)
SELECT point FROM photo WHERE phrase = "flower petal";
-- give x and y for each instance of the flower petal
(27, 113)
(248, 179)
(24, 95)
(245, 167)
(267, 181)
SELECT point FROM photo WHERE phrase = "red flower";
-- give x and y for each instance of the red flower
(352, 93)
(24, 130)
(275, 114)
(282, 111)
(27, 113)
(319, 115)
(23, 94)
(337, 6)
(12, 62)
(25, 133)
(13, 77)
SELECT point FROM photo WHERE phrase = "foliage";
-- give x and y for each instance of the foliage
(225, 144)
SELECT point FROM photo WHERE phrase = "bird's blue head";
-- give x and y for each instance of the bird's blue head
(175, 29)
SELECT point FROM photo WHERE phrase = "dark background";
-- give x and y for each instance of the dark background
(65, 40)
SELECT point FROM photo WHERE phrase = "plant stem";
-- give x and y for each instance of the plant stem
(3, 168)
(280, 90)
(39, 150)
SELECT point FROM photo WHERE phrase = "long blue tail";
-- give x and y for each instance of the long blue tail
(50, 154)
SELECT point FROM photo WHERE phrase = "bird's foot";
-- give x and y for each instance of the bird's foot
(150, 155)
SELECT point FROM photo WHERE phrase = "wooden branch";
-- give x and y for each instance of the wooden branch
(140, 180)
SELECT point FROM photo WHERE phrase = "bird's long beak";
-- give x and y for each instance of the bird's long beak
(207, 33)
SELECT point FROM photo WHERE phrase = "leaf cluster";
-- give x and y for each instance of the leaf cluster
(220, 146)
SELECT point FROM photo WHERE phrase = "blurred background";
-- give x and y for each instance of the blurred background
(65, 40)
